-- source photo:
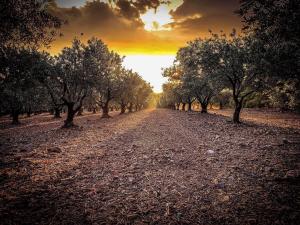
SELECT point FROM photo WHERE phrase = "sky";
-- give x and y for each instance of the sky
(147, 32)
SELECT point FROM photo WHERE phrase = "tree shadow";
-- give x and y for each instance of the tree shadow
(128, 179)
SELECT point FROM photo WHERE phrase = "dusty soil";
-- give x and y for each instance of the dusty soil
(150, 167)
(266, 116)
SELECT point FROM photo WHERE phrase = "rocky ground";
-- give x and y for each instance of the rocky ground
(151, 167)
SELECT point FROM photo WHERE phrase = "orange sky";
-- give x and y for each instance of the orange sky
(136, 28)
(148, 38)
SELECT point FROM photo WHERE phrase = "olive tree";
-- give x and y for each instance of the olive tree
(26, 23)
(74, 79)
(142, 94)
(168, 97)
(174, 86)
(201, 85)
(17, 80)
(276, 25)
(108, 86)
(128, 83)
(235, 62)
(48, 74)
(101, 63)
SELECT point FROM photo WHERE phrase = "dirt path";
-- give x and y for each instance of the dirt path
(150, 167)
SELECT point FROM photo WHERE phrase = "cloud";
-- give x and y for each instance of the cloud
(198, 16)
(120, 25)
(128, 10)
(205, 7)
(99, 19)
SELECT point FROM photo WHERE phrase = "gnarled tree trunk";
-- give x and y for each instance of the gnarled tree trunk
(70, 116)
(123, 108)
(15, 117)
(105, 110)
(105, 104)
(204, 101)
(190, 106)
(237, 111)
(203, 107)
(220, 105)
(183, 106)
(71, 111)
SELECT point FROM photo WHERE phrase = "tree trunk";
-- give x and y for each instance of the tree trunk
(183, 106)
(57, 113)
(189, 106)
(70, 116)
(237, 111)
(203, 107)
(15, 117)
(123, 108)
(220, 105)
(105, 110)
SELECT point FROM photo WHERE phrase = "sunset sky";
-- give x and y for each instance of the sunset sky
(147, 32)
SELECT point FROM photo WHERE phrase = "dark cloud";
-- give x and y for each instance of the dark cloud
(127, 9)
(134, 8)
(201, 26)
(199, 16)
(205, 8)
(143, 5)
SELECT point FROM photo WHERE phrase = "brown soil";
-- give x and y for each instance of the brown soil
(151, 167)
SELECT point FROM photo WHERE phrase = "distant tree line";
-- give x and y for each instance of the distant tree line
(259, 68)
(82, 76)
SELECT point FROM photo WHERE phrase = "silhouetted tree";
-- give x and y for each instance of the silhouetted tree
(26, 23)
(17, 80)
(235, 62)
(276, 25)
(74, 78)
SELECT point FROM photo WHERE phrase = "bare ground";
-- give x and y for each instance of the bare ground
(151, 167)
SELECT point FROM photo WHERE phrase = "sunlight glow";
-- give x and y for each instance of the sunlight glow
(157, 20)
(149, 67)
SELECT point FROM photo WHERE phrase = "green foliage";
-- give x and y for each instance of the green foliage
(132, 90)
(26, 23)
(81, 75)
(18, 83)
(285, 95)
(257, 69)
(275, 23)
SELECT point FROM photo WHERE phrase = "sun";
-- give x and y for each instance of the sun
(150, 71)
(157, 20)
